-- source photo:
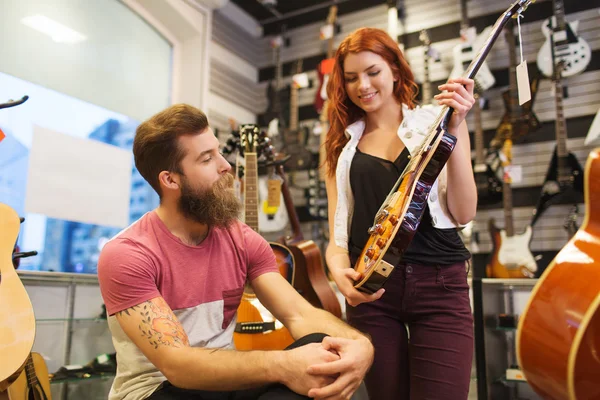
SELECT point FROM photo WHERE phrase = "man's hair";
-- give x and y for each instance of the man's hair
(156, 145)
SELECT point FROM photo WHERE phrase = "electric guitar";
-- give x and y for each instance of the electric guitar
(17, 321)
(428, 54)
(489, 187)
(256, 328)
(274, 115)
(558, 331)
(399, 216)
(321, 94)
(511, 257)
(33, 383)
(464, 53)
(562, 44)
(564, 179)
(517, 120)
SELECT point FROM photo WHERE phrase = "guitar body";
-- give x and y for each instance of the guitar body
(17, 322)
(409, 201)
(558, 337)
(569, 189)
(310, 279)
(511, 257)
(33, 383)
(517, 121)
(574, 51)
(489, 186)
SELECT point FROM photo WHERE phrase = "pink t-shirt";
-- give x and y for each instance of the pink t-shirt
(202, 284)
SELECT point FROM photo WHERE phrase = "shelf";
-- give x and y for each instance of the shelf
(101, 377)
(509, 282)
(71, 319)
(506, 381)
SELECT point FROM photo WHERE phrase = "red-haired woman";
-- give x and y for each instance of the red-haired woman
(375, 126)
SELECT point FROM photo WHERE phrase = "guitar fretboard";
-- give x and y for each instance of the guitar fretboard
(32, 379)
(251, 191)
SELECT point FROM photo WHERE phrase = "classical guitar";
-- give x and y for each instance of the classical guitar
(564, 179)
(489, 186)
(464, 52)
(33, 383)
(256, 328)
(562, 44)
(17, 321)
(517, 121)
(511, 257)
(400, 214)
(558, 337)
(310, 279)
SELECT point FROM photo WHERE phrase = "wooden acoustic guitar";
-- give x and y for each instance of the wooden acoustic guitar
(33, 383)
(17, 321)
(558, 337)
(310, 279)
(399, 216)
(256, 328)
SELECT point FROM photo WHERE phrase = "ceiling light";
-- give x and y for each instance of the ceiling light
(57, 31)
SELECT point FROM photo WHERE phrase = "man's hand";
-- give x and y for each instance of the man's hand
(356, 356)
(296, 364)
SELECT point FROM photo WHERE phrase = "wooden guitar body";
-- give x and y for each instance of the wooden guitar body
(33, 383)
(511, 257)
(558, 337)
(17, 322)
(556, 188)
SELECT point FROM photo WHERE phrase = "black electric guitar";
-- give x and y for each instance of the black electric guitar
(274, 116)
(489, 186)
(564, 179)
(517, 121)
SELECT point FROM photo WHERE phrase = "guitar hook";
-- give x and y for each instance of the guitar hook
(12, 103)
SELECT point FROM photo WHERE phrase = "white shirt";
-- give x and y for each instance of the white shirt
(412, 132)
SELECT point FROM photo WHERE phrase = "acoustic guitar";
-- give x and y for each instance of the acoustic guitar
(17, 321)
(256, 328)
(310, 279)
(399, 216)
(33, 383)
(558, 336)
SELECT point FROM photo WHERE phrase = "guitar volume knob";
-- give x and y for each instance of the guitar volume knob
(381, 242)
(393, 219)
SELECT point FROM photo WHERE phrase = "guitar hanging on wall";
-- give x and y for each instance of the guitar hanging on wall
(400, 214)
(562, 44)
(34, 381)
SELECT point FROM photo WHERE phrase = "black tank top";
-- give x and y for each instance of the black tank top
(371, 179)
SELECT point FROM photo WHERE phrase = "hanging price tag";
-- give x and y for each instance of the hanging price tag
(274, 192)
(523, 83)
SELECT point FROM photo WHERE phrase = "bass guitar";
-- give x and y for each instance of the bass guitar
(256, 328)
(559, 330)
(562, 44)
(17, 321)
(564, 179)
(511, 257)
(400, 214)
(33, 383)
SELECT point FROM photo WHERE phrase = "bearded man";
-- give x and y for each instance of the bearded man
(173, 280)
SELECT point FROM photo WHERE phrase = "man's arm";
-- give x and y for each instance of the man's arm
(155, 330)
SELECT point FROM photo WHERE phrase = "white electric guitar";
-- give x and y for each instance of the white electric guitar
(267, 221)
(568, 47)
(463, 53)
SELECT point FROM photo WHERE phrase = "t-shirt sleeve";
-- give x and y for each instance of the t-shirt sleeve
(126, 275)
(261, 258)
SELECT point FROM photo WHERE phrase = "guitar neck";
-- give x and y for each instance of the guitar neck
(426, 79)
(559, 123)
(479, 146)
(32, 379)
(251, 191)
(289, 206)
(508, 208)
(512, 72)
(559, 13)
(464, 16)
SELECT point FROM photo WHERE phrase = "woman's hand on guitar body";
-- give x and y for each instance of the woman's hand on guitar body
(345, 278)
(457, 93)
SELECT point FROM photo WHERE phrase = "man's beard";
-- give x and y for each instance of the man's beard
(217, 206)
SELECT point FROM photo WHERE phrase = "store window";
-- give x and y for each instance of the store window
(92, 70)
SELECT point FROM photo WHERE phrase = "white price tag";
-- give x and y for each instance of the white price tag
(326, 32)
(301, 80)
(523, 83)
(515, 172)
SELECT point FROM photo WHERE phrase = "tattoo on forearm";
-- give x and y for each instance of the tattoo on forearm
(158, 324)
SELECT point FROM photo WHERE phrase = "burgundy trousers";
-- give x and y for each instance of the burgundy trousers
(422, 330)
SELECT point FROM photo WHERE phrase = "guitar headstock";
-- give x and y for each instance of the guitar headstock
(424, 38)
(250, 136)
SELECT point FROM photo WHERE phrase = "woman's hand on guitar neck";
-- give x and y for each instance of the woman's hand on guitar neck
(345, 277)
(458, 94)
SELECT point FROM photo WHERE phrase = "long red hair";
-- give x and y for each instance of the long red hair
(341, 111)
